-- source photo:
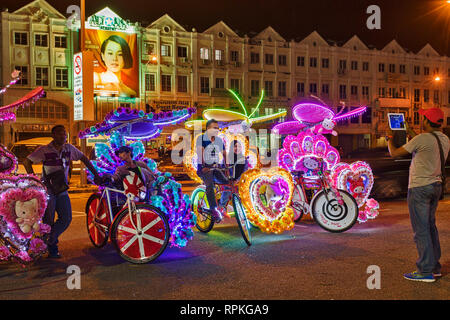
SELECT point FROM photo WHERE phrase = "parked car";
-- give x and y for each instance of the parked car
(21, 149)
(390, 175)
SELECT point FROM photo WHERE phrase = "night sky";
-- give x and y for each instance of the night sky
(413, 23)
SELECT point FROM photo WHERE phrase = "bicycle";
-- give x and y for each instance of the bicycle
(139, 231)
(200, 206)
(335, 210)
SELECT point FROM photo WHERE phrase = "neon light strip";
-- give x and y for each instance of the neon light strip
(172, 121)
(311, 104)
(146, 137)
(259, 103)
(227, 111)
(240, 101)
(353, 113)
(268, 117)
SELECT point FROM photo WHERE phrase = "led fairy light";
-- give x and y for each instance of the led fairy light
(275, 217)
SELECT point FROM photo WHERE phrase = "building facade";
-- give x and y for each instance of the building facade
(180, 68)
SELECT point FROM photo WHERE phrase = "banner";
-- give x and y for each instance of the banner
(116, 65)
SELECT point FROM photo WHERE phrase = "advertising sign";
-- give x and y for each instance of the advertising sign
(113, 42)
(83, 96)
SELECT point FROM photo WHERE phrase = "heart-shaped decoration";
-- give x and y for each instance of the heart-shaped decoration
(8, 161)
(266, 195)
(356, 178)
(23, 200)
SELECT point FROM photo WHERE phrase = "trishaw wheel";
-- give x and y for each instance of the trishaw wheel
(332, 216)
(97, 220)
(298, 204)
(241, 218)
(203, 221)
(142, 236)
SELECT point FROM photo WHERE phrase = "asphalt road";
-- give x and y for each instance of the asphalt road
(304, 263)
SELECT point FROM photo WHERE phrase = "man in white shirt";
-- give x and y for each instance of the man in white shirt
(424, 190)
(56, 156)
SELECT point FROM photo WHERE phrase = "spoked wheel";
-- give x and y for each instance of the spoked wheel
(203, 221)
(97, 220)
(331, 215)
(142, 236)
(299, 204)
(241, 217)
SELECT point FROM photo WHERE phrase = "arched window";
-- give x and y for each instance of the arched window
(44, 109)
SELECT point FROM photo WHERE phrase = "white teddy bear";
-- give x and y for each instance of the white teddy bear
(27, 215)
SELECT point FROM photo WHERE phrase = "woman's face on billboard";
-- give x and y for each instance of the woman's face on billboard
(113, 56)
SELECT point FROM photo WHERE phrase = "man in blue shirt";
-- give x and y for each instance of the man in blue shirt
(209, 148)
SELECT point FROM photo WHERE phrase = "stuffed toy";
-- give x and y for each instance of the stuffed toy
(325, 127)
(27, 215)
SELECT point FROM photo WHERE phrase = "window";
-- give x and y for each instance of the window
(436, 96)
(40, 40)
(149, 48)
(325, 63)
(342, 64)
(365, 92)
(204, 53)
(220, 83)
(354, 90)
(416, 118)
(41, 76)
(449, 96)
(235, 56)
(44, 109)
(300, 89)
(165, 50)
(254, 87)
(23, 75)
(342, 91)
(365, 66)
(234, 84)
(416, 95)
(382, 92)
(268, 58)
(313, 62)
(354, 65)
(254, 58)
(417, 70)
(282, 60)
(61, 78)
(366, 117)
(392, 68)
(381, 67)
(21, 38)
(166, 82)
(218, 55)
(426, 71)
(150, 82)
(61, 42)
(268, 88)
(403, 68)
(282, 88)
(182, 52)
(313, 88)
(426, 95)
(325, 89)
(204, 85)
(182, 83)
(354, 119)
(300, 61)
(403, 93)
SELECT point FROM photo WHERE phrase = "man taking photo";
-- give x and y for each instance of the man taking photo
(424, 190)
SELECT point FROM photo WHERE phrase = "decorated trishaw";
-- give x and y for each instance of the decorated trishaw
(335, 193)
(23, 198)
(141, 216)
(262, 196)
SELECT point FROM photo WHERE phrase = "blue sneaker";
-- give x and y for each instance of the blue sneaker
(416, 276)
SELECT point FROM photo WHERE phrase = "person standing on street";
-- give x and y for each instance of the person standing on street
(55, 158)
(424, 190)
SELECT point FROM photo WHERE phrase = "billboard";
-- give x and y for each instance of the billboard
(114, 45)
(83, 108)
